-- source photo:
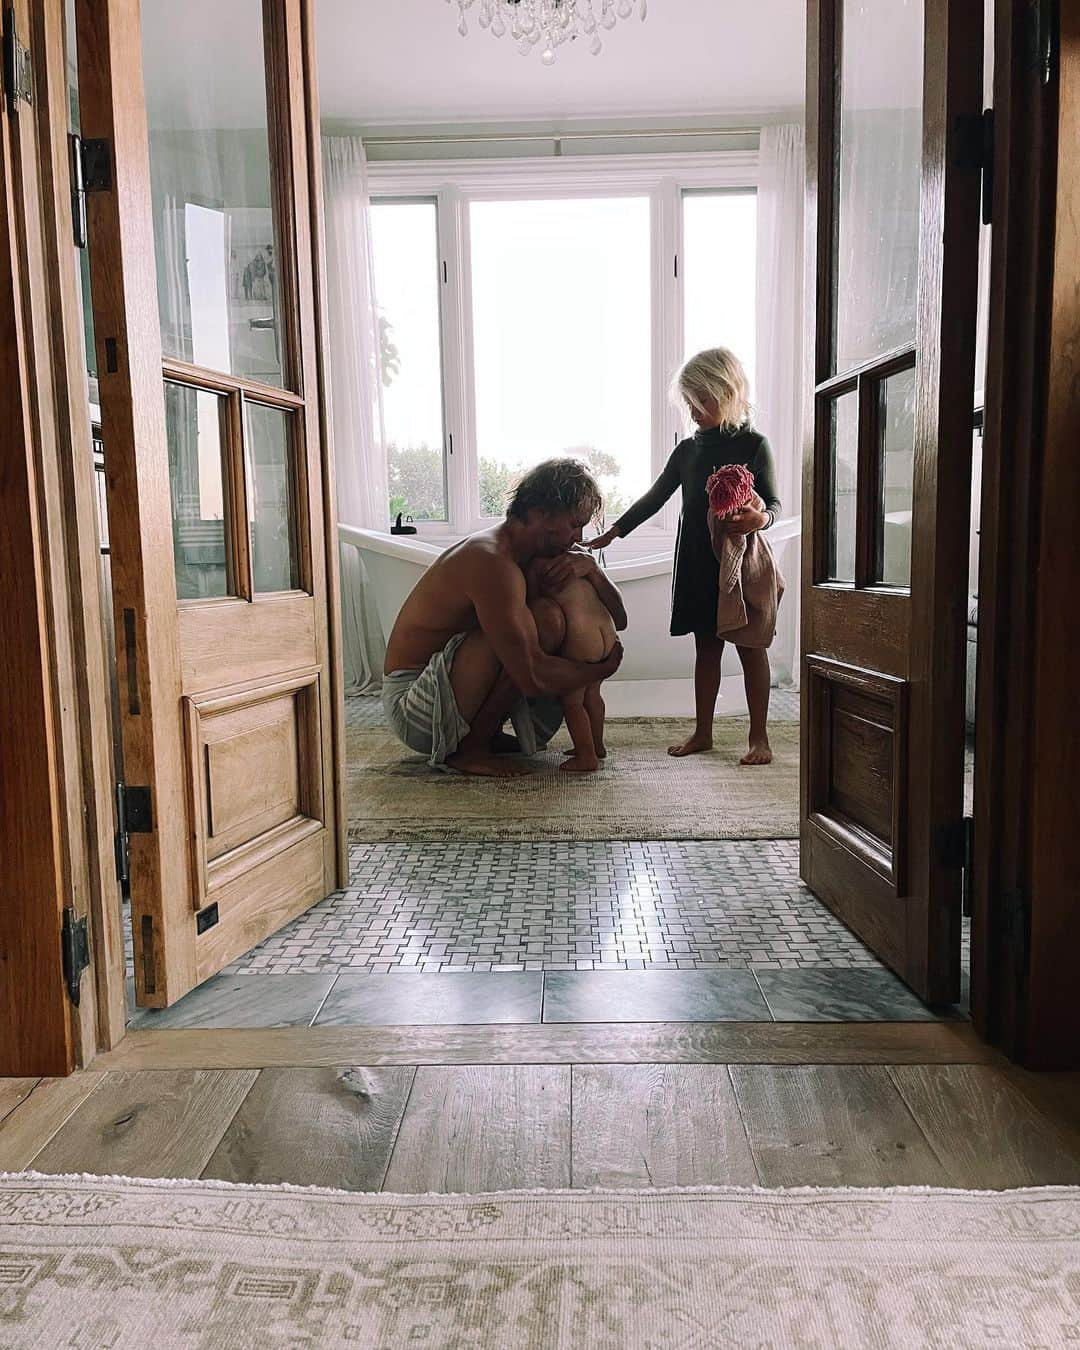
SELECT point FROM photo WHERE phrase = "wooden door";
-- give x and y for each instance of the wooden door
(201, 276)
(893, 101)
(37, 1019)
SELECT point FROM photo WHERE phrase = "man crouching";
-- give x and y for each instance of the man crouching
(469, 649)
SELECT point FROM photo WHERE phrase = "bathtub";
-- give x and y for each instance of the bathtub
(655, 676)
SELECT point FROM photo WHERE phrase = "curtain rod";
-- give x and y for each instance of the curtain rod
(496, 136)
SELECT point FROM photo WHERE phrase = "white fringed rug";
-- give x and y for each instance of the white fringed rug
(113, 1262)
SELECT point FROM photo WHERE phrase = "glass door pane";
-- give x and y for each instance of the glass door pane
(844, 444)
(272, 515)
(219, 292)
(880, 144)
(897, 479)
(199, 487)
(561, 296)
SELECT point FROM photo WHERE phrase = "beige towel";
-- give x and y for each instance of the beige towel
(751, 586)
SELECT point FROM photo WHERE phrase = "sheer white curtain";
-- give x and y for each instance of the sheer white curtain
(779, 374)
(355, 396)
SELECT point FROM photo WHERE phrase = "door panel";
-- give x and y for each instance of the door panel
(892, 245)
(201, 270)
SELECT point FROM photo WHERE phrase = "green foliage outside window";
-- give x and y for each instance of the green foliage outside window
(416, 480)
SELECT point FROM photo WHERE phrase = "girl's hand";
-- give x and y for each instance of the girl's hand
(746, 521)
(601, 540)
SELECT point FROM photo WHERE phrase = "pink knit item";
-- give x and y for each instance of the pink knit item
(729, 489)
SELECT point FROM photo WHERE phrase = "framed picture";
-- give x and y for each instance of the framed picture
(253, 300)
(252, 273)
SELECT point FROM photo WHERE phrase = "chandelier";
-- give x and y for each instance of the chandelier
(549, 23)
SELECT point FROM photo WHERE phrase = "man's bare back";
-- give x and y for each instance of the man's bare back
(442, 602)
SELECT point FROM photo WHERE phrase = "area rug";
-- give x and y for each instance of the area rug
(108, 1262)
(640, 793)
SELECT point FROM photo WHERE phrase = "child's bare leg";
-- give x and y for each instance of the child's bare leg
(594, 706)
(584, 759)
(756, 677)
(710, 653)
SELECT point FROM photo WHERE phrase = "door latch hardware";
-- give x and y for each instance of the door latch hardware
(18, 72)
(138, 815)
(206, 918)
(75, 951)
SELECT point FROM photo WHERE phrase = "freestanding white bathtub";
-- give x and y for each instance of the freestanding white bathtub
(655, 678)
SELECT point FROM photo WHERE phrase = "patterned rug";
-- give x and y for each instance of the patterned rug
(640, 792)
(117, 1263)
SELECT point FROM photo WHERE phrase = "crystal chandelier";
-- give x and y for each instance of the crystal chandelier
(549, 23)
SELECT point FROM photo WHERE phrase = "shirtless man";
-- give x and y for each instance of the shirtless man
(468, 648)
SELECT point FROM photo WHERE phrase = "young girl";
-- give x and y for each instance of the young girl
(714, 387)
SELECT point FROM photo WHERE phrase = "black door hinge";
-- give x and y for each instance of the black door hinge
(75, 951)
(122, 845)
(133, 816)
(973, 149)
(987, 165)
(78, 190)
(954, 845)
(18, 72)
(91, 171)
(1043, 35)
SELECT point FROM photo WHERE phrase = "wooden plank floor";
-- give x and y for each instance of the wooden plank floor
(471, 1127)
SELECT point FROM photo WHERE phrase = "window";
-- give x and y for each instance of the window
(719, 273)
(533, 310)
(561, 332)
(406, 254)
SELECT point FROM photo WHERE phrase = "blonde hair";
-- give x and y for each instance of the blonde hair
(715, 374)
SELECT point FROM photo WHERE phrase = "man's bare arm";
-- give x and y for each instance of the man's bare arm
(498, 593)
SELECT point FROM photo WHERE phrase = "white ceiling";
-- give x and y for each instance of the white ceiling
(403, 61)
(394, 62)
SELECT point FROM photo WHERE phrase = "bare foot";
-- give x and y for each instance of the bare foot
(600, 754)
(580, 764)
(694, 746)
(486, 766)
(760, 752)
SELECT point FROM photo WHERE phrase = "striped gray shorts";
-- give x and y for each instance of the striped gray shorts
(423, 714)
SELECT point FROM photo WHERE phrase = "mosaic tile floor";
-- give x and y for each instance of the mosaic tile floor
(555, 932)
(565, 906)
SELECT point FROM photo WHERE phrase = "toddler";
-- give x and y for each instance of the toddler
(590, 636)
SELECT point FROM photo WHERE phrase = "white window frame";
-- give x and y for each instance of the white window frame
(454, 185)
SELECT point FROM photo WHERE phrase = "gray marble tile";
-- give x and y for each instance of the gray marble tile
(704, 905)
(840, 996)
(242, 1001)
(653, 996)
(436, 999)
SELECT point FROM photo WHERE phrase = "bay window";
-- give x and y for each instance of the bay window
(527, 311)
(404, 241)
